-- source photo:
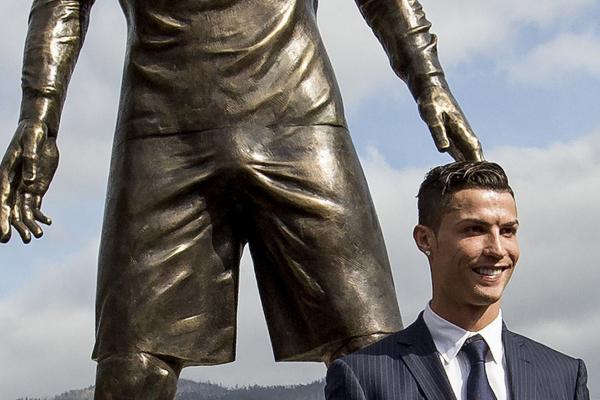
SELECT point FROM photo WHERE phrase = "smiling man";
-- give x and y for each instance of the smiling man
(459, 347)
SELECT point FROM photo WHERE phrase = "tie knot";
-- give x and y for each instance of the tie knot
(476, 349)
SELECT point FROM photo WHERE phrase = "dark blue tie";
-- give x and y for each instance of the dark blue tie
(478, 387)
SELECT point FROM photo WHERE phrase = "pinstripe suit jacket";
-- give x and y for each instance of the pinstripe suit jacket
(405, 366)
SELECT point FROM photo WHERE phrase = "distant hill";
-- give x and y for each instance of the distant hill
(190, 390)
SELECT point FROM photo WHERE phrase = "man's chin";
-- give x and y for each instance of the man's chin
(488, 298)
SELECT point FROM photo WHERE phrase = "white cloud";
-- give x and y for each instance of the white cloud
(467, 29)
(47, 327)
(12, 29)
(563, 58)
(359, 61)
(471, 27)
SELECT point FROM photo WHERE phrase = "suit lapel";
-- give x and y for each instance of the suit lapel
(418, 352)
(521, 373)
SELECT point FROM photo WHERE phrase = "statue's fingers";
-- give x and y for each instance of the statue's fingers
(19, 226)
(471, 148)
(37, 212)
(28, 217)
(43, 218)
(474, 154)
(33, 227)
(464, 139)
(456, 154)
(435, 122)
(440, 137)
(23, 231)
(32, 142)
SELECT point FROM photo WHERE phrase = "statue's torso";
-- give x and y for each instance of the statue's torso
(208, 64)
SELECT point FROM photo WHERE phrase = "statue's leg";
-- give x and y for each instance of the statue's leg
(168, 264)
(136, 376)
(318, 251)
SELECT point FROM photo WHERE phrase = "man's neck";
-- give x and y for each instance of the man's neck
(470, 318)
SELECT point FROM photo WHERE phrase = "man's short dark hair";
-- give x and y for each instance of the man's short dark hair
(442, 182)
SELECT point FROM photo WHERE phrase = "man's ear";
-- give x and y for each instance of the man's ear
(424, 238)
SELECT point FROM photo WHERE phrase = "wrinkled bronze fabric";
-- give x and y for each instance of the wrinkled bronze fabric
(231, 130)
(173, 237)
(203, 65)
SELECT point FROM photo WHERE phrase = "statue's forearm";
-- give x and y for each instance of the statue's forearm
(403, 30)
(55, 36)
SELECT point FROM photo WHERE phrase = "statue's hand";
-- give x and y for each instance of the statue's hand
(449, 127)
(25, 174)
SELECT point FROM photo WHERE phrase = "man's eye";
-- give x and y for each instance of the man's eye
(509, 232)
(474, 229)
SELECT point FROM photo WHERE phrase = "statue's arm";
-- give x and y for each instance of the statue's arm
(403, 30)
(54, 38)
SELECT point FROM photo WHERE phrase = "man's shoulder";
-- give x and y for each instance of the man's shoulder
(363, 374)
(388, 349)
(385, 347)
(540, 351)
(557, 374)
(551, 366)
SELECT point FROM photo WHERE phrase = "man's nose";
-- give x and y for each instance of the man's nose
(494, 246)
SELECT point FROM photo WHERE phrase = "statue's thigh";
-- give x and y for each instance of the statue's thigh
(169, 257)
(318, 250)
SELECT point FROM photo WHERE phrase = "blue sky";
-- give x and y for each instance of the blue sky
(526, 74)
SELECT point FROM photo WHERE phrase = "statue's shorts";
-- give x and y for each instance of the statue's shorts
(180, 209)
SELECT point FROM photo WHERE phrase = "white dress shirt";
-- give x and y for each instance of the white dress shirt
(449, 338)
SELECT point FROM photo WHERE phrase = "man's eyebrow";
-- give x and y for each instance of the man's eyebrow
(512, 223)
(473, 221)
(485, 223)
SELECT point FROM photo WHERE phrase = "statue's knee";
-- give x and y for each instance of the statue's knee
(136, 376)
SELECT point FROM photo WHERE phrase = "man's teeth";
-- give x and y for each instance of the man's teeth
(489, 271)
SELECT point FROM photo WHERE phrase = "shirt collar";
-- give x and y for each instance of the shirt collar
(449, 338)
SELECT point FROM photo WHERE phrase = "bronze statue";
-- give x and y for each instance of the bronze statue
(230, 131)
